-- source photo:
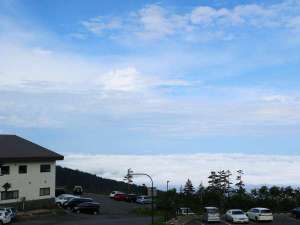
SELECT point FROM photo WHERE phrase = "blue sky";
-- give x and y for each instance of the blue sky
(152, 77)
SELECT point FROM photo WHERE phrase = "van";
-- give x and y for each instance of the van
(211, 214)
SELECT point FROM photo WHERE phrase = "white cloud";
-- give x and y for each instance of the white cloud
(157, 22)
(259, 169)
(154, 22)
(98, 25)
(127, 79)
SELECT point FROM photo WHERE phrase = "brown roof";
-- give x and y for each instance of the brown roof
(16, 149)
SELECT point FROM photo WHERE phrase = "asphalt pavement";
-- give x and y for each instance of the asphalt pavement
(111, 213)
(281, 219)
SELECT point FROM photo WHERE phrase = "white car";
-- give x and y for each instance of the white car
(4, 217)
(112, 195)
(61, 199)
(144, 199)
(260, 214)
(236, 216)
(211, 214)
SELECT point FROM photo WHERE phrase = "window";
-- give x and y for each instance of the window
(7, 195)
(45, 168)
(22, 169)
(5, 170)
(44, 191)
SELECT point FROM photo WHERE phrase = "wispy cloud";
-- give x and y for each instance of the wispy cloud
(162, 91)
(259, 169)
(154, 21)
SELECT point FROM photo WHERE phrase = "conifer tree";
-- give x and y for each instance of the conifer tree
(240, 183)
(189, 188)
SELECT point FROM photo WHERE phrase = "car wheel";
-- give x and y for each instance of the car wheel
(78, 211)
(256, 219)
(96, 212)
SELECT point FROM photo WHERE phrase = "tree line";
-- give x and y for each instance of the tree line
(68, 178)
(226, 192)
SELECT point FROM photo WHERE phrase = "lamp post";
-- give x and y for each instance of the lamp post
(168, 185)
(130, 173)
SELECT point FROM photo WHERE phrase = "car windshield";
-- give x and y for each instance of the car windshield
(237, 212)
(213, 210)
(265, 211)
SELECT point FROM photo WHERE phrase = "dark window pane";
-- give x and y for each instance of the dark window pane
(23, 169)
(45, 168)
(5, 170)
(7, 195)
(44, 191)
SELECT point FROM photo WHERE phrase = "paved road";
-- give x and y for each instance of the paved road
(278, 220)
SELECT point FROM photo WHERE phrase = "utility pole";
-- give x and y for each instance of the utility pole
(168, 185)
(130, 173)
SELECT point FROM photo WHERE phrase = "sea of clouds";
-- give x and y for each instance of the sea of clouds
(258, 169)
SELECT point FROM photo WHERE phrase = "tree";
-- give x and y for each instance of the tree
(213, 181)
(224, 181)
(189, 188)
(200, 191)
(263, 192)
(240, 183)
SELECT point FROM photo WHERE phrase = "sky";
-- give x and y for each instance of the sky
(160, 79)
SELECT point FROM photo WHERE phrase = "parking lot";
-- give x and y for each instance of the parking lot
(278, 220)
(111, 213)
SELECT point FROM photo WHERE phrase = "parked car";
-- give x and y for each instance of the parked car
(131, 198)
(236, 216)
(144, 199)
(4, 217)
(120, 197)
(76, 201)
(112, 194)
(184, 211)
(296, 213)
(88, 207)
(11, 211)
(211, 214)
(260, 214)
(60, 200)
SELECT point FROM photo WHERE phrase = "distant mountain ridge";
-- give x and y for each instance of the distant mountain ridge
(68, 178)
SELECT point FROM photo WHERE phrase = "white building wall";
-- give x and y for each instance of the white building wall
(29, 184)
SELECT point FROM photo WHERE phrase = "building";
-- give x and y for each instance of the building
(27, 172)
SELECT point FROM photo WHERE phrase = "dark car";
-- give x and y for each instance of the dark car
(87, 207)
(76, 201)
(296, 212)
(131, 198)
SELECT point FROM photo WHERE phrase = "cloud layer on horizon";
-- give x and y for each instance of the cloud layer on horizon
(259, 169)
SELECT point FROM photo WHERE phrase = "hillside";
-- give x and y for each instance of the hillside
(68, 178)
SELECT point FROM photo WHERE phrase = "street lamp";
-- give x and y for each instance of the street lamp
(130, 174)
